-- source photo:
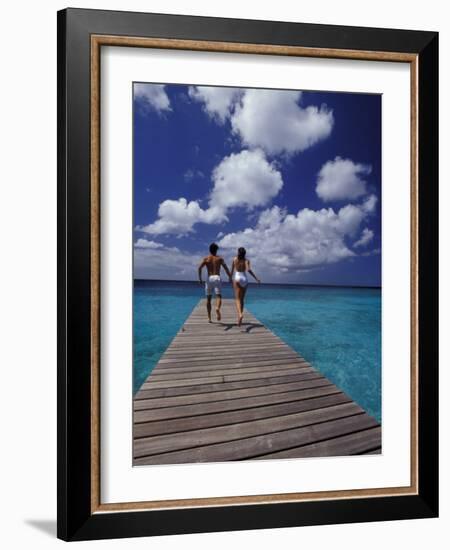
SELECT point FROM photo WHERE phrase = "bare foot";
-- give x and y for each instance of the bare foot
(240, 320)
(219, 317)
(209, 320)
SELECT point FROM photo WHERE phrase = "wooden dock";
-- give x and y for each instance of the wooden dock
(222, 392)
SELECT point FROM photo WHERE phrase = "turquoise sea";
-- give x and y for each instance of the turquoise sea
(336, 329)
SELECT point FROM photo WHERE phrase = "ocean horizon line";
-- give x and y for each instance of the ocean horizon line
(192, 281)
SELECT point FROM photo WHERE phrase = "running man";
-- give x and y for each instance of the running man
(213, 263)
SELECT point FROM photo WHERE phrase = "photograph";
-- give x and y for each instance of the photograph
(257, 273)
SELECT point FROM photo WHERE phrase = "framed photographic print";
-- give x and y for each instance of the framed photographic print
(247, 270)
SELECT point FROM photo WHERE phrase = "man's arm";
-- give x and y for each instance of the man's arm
(200, 267)
(226, 268)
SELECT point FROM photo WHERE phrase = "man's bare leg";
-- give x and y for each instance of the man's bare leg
(208, 307)
(218, 306)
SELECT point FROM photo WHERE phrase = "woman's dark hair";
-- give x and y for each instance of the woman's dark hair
(241, 253)
(213, 248)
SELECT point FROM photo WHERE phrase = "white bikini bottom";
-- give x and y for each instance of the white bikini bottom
(241, 278)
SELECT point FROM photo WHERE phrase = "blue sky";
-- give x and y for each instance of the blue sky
(293, 176)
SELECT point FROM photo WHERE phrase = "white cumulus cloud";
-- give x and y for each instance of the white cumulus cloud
(366, 236)
(144, 243)
(153, 96)
(282, 242)
(180, 216)
(342, 179)
(165, 263)
(217, 101)
(370, 204)
(244, 179)
(274, 120)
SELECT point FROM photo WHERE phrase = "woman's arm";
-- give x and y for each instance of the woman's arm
(249, 269)
(232, 268)
(224, 265)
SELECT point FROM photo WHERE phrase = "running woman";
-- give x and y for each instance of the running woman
(239, 269)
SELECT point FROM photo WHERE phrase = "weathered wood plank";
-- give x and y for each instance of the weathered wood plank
(189, 341)
(198, 389)
(190, 382)
(217, 372)
(231, 432)
(231, 404)
(313, 381)
(283, 354)
(220, 378)
(252, 447)
(220, 419)
(197, 368)
(355, 443)
(267, 360)
(277, 371)
(248, 345)
(187, 338)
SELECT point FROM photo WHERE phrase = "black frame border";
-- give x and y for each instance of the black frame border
(75, 520)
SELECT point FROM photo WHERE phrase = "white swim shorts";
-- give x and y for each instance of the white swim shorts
(213, 282)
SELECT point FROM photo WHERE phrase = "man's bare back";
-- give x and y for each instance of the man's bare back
(213, 264)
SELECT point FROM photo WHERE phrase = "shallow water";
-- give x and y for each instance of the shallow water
(336, 329)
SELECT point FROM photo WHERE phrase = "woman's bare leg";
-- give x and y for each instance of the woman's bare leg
(237, 296)
(241, 293)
